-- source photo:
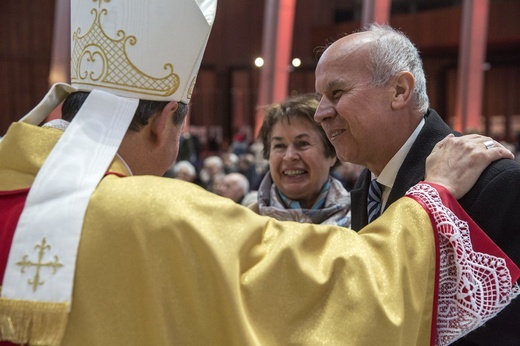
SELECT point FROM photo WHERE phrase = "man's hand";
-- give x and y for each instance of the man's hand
(457, 162)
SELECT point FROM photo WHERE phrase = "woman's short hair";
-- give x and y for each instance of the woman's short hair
(301, 106)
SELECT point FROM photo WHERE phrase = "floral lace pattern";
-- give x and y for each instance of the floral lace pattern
(473, 286)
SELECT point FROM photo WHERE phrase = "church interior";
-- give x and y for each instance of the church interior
(228, 93)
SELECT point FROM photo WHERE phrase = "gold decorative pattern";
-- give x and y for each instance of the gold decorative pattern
(33, 322)
(108, 62)
(192, 86)
(25, 263)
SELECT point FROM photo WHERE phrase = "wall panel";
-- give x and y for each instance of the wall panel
(25, 52)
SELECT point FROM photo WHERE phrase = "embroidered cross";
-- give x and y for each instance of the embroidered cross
(24, 263)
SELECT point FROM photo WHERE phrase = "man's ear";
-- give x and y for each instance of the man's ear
(162, 122)
(403, 90)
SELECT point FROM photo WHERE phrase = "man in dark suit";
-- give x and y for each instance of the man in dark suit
(375, 110)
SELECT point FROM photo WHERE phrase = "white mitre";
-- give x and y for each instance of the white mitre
(121, 51)
(143, 49)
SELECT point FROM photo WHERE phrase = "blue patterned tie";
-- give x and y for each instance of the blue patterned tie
(374, 200)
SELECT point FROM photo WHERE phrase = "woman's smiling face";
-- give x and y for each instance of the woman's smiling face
(297, 160)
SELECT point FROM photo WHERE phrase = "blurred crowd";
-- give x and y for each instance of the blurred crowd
(236, 171)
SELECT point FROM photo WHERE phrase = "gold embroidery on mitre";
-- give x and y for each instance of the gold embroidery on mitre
(25, 263)
(99, 60)
(192, 86)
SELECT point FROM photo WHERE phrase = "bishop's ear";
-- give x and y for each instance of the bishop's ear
(403, 91)
(163, 121)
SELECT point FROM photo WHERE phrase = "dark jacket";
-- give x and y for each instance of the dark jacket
(493, 202)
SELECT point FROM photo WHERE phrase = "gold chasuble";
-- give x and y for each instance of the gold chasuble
(163, 262)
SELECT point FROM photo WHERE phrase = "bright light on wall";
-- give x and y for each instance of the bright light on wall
(296, 62)
(259, 62)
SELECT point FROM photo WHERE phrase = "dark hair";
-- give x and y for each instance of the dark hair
(301, 106)
(145, 110)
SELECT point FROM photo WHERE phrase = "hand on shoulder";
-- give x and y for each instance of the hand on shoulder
(457, 162)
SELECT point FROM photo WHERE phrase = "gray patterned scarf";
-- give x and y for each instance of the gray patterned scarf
(335, 210)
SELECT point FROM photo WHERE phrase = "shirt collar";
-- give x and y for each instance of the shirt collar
(389, 173)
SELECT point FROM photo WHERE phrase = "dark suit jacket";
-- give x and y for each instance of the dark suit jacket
(493, 202)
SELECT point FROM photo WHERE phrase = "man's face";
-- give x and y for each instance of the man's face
(354, 113)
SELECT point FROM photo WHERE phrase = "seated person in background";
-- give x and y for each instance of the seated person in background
(299, 185)
(230, 161)
(212, 171)
(347, 173)
(253, 170)
(183, 170)
(234, 186)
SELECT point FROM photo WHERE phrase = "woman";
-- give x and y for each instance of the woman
(299, 186)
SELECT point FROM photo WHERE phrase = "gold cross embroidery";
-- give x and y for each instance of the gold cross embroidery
(24, 263)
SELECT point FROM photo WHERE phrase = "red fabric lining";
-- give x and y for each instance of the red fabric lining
(11, 206)
(120, 175)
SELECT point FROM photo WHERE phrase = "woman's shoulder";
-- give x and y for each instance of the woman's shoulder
(254, 207)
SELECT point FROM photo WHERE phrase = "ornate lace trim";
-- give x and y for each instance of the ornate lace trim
(473, 286)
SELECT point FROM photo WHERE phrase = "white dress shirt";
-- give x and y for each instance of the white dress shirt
(388, 174)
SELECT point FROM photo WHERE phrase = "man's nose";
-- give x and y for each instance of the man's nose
(324, 110)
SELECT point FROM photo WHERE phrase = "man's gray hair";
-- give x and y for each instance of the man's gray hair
(393, 52)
